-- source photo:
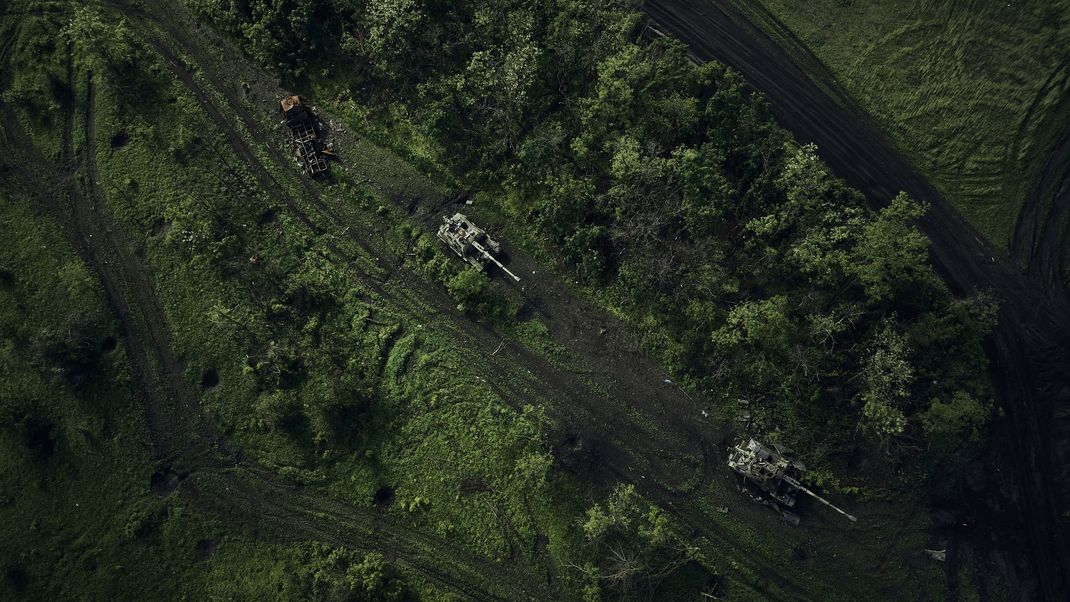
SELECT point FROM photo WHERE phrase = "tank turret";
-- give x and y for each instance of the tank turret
(775, 474)
(471, 242)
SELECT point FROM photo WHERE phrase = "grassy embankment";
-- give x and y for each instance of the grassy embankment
(80, 520)
(974, 94)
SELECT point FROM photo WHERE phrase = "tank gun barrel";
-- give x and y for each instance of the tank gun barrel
(803, 489)
(487, 254)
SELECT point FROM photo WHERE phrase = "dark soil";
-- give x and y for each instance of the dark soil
(17, 579)
(210, 379)
(538, 548)
(472, 485)
(268, 217)
(160, 226)
(164, 481)
(108, 345)
(1029, 348)
(120, 139)
(7, 279)
(41, 437)
(205, 549)
(384, 497)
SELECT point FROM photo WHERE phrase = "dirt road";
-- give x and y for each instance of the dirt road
(1029, 348)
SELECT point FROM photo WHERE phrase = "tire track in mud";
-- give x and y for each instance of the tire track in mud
(1031, 340)
(157, 376)
(143, 314)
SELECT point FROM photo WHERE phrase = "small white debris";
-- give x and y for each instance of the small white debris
(705, 414)
(668, 381)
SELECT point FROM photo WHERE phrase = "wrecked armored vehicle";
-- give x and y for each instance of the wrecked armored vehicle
(305, 135)
(776, 475)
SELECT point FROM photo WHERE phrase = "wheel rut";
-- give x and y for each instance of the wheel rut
(1032, 338)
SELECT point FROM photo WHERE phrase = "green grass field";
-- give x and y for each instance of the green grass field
(972, 92)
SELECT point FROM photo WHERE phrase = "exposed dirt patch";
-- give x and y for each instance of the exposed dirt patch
(164, 481)
(120, 139)
(108, 345)
(802, 552)
(384, 497)
(210, 379)
(205, 549)
(524, 313)
(160, 227)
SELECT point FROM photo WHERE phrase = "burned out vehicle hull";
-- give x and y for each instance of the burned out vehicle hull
(305, 135)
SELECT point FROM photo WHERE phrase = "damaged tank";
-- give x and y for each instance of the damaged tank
(305, 135)
(471, 242)
(776, 475)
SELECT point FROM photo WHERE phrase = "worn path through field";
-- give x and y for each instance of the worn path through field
(1030, 347)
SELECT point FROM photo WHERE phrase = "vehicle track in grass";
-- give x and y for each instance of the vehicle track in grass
(594, 407)
(642, 424)
(1031, 218)
(181, 442)
(1029, 345)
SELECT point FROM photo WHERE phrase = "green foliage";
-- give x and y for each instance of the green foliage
(751, 270)
(887, 374)
(974, 96)
(104, 43)
(339, 574)
(635, 548)
(960, 418)
(469, 288)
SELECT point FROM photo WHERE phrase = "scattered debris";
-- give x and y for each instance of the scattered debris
(471, 242)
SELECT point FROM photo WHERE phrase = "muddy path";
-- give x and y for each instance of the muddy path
(624, 373)
(1029, 347)
(617, 419)
(631, 424)
(184, 445)
(1040, 234)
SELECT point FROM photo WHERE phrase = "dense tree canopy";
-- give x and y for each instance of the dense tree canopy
(751, 269)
